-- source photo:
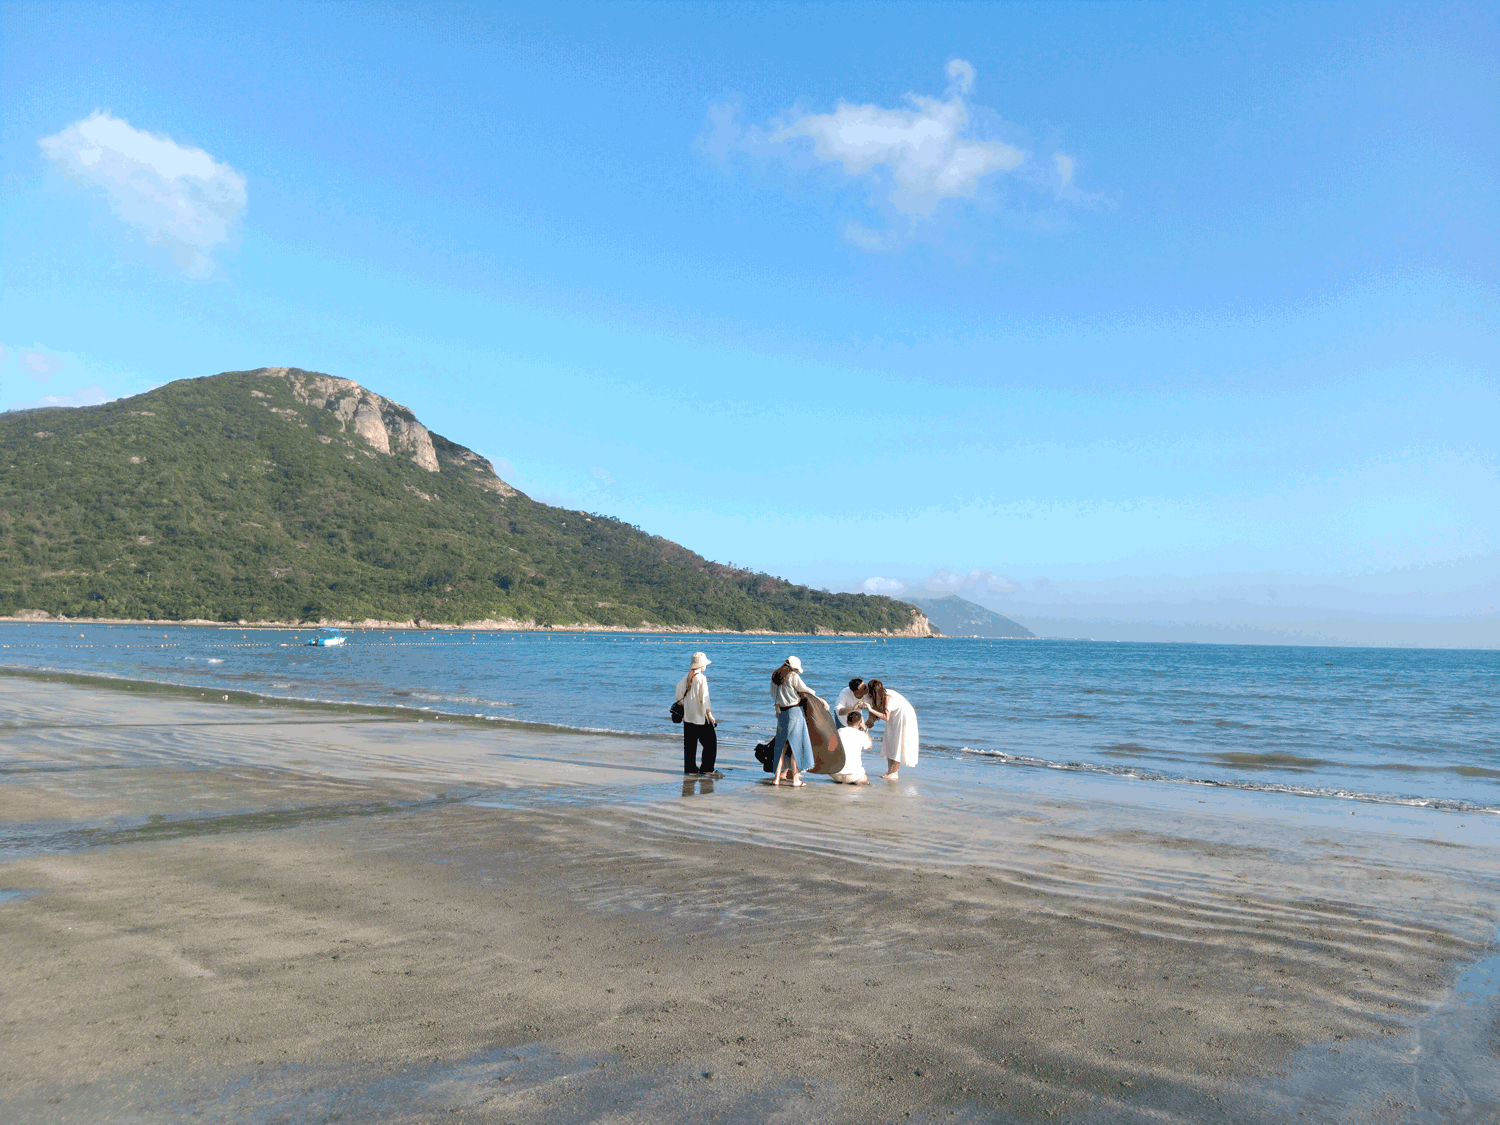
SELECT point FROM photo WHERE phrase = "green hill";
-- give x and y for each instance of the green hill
(958, 617)
(281, 494)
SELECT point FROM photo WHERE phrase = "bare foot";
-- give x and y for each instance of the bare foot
(892, 776)
(798, 782)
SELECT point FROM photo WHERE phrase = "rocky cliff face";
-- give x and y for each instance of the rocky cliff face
(479, 471)
(387, 427)
(919, 627)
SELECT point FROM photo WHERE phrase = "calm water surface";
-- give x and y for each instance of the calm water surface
(1391, 725)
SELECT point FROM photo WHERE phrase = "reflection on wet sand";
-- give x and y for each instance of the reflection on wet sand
(302, 914)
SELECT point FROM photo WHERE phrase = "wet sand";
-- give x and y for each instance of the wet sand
(244, 912)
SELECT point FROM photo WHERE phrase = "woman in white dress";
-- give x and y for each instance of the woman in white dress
(899, 743)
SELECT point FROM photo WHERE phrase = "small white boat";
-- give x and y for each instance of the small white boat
(328, 638)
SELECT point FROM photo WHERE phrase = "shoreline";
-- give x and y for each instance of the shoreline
(511, 626)
(309, 913)
(293, 703)
(486, 625)
(1081, 774)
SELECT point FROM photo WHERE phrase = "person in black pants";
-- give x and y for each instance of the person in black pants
(698, 721)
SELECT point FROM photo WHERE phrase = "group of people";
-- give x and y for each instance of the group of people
(858, 707)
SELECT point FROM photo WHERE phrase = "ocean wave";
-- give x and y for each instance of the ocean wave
(373, 702)
(1136, 773)
(1432, 736)
(462, 699)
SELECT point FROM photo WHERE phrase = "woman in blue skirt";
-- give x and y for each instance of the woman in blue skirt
(792, 743)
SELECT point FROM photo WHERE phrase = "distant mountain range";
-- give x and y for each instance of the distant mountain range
(286, 495)
(956, 617)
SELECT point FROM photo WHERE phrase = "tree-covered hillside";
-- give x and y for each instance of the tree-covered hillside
(281, 494)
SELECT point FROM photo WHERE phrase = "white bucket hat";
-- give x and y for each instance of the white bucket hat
(700, 660)
(794, 664)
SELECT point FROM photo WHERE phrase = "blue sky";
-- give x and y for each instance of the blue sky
(1042, 303)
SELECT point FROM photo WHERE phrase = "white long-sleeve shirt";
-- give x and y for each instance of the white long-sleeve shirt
(785, 693)
(694, 698)
(848, 701)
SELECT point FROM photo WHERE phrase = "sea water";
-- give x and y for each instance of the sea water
(1394, 726)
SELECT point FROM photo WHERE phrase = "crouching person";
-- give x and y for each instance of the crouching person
(855, 740)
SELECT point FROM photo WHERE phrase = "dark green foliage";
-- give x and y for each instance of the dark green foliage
(227, 498)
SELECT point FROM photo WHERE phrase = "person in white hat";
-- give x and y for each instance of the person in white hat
(792, 743)
(698, 720)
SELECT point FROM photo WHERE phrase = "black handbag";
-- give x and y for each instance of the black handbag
(763, 755)
(678, 710)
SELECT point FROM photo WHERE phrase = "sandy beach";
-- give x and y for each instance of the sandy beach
(234, 910)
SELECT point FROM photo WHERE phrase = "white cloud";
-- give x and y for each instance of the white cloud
(178, 197)
(921, 154)
(70, 378)
(1065, 166)
(84, 396)
(41, 366)
(865, 238)
(722, 133)
(949, 582)
(912, 159)
(961, 74)
(877, 585)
